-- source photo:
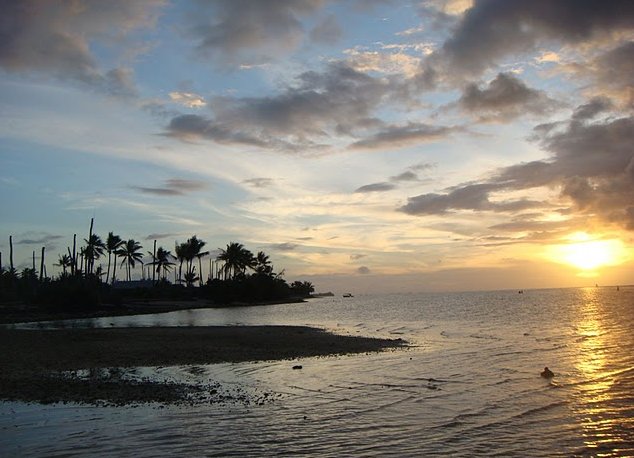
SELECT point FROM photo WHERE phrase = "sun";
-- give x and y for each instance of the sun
(586, 254)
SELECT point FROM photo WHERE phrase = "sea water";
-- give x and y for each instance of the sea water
(469, 385)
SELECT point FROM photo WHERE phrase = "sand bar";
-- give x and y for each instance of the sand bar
(32, 359)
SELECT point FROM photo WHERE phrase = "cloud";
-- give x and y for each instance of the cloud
(259, 182)
(375, 187)
(591, 109)
(286, 246)
(469, 197)
(235, 32)
(328, 31)
(611, 73)
(43, 240)
(54, 39)
(354, 257)
(590, 163)
(505, 98)
(402, 136)
(188, 99)
(519, 27)
(337, 101)
(405, 176)
(173, 187)
(158, 236)
(363, 270)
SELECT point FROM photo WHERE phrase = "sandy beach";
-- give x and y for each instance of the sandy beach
(40, 365)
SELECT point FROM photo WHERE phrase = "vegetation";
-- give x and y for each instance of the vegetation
(235, 275)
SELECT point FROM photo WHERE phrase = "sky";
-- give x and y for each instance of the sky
(365, 145)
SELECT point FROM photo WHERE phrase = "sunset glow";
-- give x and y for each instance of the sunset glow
(382, 146)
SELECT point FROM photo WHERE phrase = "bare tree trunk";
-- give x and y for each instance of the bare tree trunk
(33, 261)
(11, 252)
(73, 266)
(42, 265)
(89, 262)
(154, 265)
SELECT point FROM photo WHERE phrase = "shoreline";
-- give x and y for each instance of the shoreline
(40, 365)
(14, 313)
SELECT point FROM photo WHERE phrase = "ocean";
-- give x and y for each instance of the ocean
(469, 385)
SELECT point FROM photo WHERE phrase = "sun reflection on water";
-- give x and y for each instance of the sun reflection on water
(596, 405)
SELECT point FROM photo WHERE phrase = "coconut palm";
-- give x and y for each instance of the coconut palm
(263, 264)
(162, 262)
(113, 243)
(236, 259)
(191, 277)
(181, 255)
(92, 251)
(130, 254)
(64, 262)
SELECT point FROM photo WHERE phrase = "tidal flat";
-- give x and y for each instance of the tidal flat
(88, 365)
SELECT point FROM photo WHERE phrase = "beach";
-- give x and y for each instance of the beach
(46, 365)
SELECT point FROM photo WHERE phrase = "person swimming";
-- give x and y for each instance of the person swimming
(547, 373)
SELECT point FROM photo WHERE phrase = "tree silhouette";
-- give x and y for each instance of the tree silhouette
(130, 252)
(236, 259)
(64, 261)
(263, 264)
(162, 262)
(92, 251)
(113, 243)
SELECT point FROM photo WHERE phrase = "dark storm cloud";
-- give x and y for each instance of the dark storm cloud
(237, 32)
(375, 187)
(173, 187)
(592, 164)
(506, 97)
(53, 38)
(339, 100)
(493, 29)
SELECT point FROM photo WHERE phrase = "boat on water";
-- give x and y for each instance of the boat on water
(348, 295)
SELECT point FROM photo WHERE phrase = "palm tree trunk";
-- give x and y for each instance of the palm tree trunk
(42, 265)
(108, 273)
(89, 261)
(73, 267)
(200, 271)
(154, 268)
(11, 252)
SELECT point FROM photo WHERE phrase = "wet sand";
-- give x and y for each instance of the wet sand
(39, 365)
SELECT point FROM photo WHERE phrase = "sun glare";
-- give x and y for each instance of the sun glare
(586, 254)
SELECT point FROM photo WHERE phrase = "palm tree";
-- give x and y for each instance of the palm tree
(162, 261)
(263, 264)
(195, 246)
(92, 251)
(181, 255)
(191, 277)
(129, 251)
(187, 252)
(64, 262)
(113, 243)
(236, 259)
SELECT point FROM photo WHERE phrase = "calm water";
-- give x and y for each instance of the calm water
(482, 351)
